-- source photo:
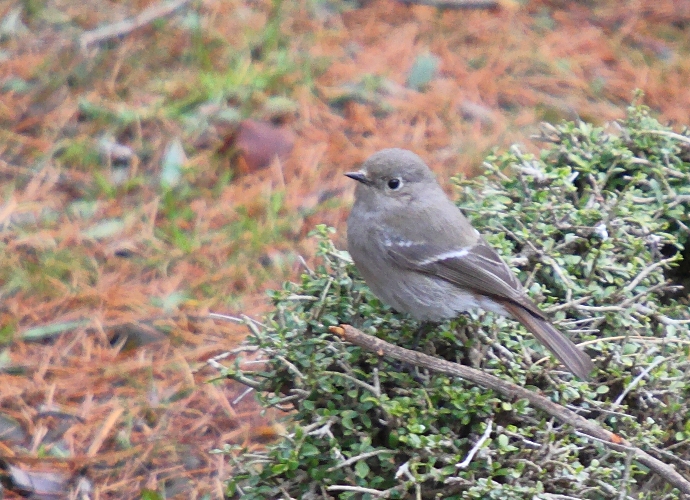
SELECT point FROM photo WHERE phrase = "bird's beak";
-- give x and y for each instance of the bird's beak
(359, 176)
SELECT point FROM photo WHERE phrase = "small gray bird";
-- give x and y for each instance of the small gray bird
(420, 255)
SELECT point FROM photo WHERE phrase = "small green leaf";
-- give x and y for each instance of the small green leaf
(279, 468)
(346, 420)
(148, 494)
(309, 450)
(362, 469)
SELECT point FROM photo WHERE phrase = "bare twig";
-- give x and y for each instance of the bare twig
(623, 305)
(668, 133)
(359, 489)
(670, 321)
(215, 360)
(373, 389)
(241, 396)
(357, 458)
(589, 428)
(567, 305)
(128, 25)
(480, 442)
(252, 324)
(645, 272)
(305, 266)
(291, 367)
(637, 380)
(625, 480)
(307, 298)
(225, 317)
(241, 379)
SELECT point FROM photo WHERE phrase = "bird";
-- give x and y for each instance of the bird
(420, 255)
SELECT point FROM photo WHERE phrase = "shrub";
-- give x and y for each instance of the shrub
(597, 228)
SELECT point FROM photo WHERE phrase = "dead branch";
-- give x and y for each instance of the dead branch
(587, 427)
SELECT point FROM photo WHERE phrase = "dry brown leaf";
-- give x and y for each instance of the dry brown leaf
(258, 143)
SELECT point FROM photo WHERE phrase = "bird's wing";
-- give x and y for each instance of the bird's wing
(477, 268)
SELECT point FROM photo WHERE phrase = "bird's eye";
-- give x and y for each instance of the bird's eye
(394, 183)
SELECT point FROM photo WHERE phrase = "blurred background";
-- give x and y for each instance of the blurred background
(162, 161)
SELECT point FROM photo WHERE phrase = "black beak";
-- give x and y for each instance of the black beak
(359, 176)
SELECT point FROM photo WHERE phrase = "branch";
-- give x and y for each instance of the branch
(480, 442)
(587, 427)
(668, 133)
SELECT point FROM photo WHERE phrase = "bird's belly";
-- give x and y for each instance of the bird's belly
(431, 299)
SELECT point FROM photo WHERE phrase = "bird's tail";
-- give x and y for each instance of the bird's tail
(561, 346)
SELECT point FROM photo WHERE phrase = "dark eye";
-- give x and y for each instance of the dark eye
(394, 183)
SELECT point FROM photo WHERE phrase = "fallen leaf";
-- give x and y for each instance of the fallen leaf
(104, 229)
(422, 72)
(259, 142)
(41, 485)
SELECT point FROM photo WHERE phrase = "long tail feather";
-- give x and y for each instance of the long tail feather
(561, 346)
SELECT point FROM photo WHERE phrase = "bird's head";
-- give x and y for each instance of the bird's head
(395, 174)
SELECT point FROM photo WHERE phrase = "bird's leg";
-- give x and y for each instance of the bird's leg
(424, 329)
(471, 350)
(466, 336)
